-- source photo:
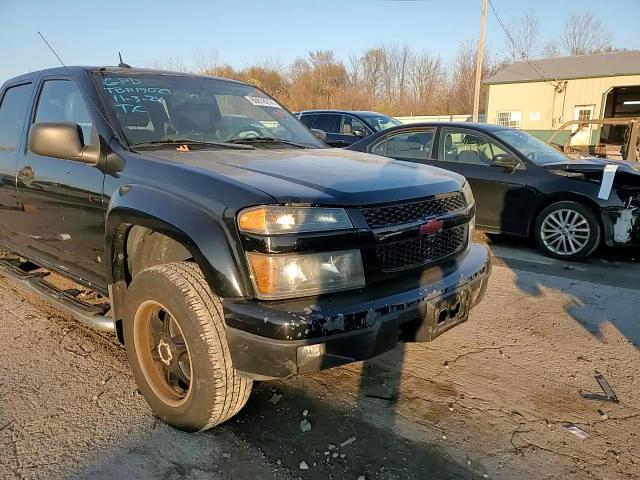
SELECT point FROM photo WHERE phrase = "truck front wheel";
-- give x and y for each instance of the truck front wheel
(177, 348)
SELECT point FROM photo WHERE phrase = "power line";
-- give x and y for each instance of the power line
(524, 56)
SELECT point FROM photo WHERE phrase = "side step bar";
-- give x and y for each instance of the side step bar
(91, 315)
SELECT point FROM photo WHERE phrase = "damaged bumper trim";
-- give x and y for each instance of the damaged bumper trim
(270, 340)
(621, 225)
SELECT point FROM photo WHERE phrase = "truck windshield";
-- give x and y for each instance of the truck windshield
(153, 108)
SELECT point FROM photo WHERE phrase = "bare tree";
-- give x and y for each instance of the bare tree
(206, 61)
(176, 64)
(551, 50)
(426, 77)
(525, 38)
(584, 34)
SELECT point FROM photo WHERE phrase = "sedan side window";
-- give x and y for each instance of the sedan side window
(351, 124)
(307, 120)
(61, 101)
(328, 123)
(467, 147)
(414, 145)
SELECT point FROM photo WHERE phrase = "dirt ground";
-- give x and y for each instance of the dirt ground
(490, 399)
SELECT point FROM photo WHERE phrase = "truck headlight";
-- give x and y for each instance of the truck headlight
(270, 220)
(298, 275)
(468, 194)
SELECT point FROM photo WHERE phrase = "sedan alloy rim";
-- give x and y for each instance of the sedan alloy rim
(565, 231)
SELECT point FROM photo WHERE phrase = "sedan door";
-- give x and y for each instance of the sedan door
(504, 199)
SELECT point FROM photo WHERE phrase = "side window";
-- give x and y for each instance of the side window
(307, 120)
(351, 124)
(326, 122)
(467, 147)
(414, 145)
(13, 110)
(411, 145)
(379, 148)
(61, 101)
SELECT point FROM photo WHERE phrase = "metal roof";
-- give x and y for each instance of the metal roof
(609, 64)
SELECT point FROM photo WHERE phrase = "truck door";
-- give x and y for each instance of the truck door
(14, 104)
(63, 215)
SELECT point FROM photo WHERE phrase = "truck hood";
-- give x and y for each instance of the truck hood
(323, 176)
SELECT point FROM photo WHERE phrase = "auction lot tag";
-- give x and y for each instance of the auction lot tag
(262, 102)
(607, 181)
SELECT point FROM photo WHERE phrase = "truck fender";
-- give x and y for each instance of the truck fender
(203, 235)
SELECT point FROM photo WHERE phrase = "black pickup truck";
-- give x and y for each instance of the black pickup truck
(231, 244)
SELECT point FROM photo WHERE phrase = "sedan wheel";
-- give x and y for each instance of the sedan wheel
(567, 230)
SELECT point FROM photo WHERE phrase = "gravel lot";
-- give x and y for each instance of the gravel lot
(490, 399)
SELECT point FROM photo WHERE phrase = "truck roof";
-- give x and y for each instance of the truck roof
(76, 69)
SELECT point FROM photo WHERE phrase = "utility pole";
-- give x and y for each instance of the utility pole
(479, 58)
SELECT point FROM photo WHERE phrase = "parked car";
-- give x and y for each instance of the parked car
(230, 243)
(344, 128)
(525, 187)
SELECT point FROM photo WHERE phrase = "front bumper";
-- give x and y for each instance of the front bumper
(279, 339)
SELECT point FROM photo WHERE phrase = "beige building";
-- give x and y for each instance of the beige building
(541, 95)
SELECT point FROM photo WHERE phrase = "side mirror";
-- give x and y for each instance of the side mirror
(320, 134)
(506, 161)
(61, 140)
(359, 133)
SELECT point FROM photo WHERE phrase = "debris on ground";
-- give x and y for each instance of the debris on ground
(304, 466)
(305, 425)
(577, 431)
(362, 477)
(305, 413)
(603, 415)
(226, 455)
(348, 441)
(276, 398)
(609, 394)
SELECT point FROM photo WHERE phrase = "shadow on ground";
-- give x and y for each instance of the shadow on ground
(342, 443)
(589, 305)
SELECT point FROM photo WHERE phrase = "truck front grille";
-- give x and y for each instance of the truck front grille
(415, 211)
(421, 250)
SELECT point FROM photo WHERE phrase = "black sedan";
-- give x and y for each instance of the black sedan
(342, 127)
(525, 187)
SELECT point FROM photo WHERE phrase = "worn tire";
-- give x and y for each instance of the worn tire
(216, 391)
(595, 231)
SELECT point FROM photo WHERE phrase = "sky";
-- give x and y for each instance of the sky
(252, 31)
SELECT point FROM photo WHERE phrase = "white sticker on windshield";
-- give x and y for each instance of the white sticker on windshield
(262, 102)
(607, 181)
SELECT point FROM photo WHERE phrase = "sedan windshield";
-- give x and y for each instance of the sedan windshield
(152, 109)
(533, 148)
(379, 122)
